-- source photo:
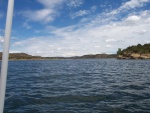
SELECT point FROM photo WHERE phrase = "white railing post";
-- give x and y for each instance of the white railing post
(5, 55)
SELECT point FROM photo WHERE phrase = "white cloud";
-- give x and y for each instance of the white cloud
(133, 18)
(86, 39)
(50, 3)
(109, 46)
(45, 15)
(110, 40)
(97, 46)
(147, 41)
(26, 25)
(142, 32)
(99, 34)
(74, 3)
(93, 8)
(134, 3)
(148, 20)
(50, 10)
(17, 43)
(15, 51)
(80, 13)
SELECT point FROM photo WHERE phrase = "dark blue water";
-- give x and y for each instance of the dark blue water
(78, 86)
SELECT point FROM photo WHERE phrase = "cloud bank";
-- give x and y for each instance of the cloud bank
(102, 33)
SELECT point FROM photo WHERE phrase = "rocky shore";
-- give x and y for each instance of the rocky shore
(134, 56)
(135, 52)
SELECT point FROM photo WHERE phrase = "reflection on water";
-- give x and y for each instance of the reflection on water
(78, 86)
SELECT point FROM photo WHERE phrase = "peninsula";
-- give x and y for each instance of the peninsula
(135, 52)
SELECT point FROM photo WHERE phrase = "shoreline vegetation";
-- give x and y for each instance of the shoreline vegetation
(135, 52)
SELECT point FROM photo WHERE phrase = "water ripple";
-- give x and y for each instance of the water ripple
(78, 86)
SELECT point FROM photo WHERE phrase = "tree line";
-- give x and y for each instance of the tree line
(140, 49)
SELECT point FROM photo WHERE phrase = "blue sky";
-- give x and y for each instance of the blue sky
(76, 27)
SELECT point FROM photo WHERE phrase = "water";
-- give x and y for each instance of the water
(78, 86)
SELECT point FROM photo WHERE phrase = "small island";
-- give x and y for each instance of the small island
(135, 52)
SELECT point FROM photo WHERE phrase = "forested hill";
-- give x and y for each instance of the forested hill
(135, 52)
(21, 56)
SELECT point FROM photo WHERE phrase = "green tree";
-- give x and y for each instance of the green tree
(119, 52)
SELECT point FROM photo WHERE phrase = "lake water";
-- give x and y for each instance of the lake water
(78, 86)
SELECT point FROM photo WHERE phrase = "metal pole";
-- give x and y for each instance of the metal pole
(4, 65)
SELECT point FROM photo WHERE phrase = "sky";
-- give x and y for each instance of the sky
(76, 27)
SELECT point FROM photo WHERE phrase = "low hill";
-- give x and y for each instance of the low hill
(135, 52)
(20, 56)
(96, 56)
(24, 56)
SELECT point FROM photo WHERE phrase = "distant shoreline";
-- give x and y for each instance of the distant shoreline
(24, 56)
